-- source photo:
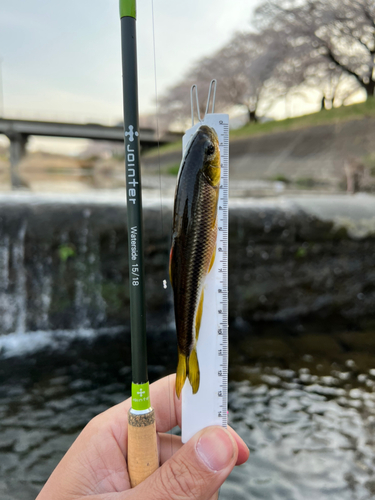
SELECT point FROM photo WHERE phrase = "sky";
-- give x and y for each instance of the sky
(62, 60)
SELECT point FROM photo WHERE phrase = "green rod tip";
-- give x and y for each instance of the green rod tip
(140, 396)
(128, 8)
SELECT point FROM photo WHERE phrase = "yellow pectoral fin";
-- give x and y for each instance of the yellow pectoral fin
(194, 375)
(198, 317)
(181, 373)
(212, 260)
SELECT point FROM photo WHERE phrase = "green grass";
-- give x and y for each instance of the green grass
(173, 169)
(301, 252)
(344, 113)
(280, 178)
(334, 115)
(305, 182)
(66, 251)
(369, 162)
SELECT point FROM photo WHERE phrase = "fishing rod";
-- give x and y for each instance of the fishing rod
(142, 444)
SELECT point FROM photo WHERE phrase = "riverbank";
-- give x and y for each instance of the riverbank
(287, 157)
(310, 158)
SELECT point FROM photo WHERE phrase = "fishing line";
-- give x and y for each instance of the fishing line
(157, 127)
(160, 191)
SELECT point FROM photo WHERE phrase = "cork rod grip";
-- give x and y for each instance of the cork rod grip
(143, 457)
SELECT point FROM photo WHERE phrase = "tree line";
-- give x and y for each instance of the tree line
(295, 46)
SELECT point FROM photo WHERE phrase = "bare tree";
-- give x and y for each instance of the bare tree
(328, 45)
(242, 68)
(174, 106)
(252, 59)
(337, 33)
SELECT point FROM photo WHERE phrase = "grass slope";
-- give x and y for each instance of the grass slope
(344, 113)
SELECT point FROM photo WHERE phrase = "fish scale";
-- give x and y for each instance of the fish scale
(194, 239)
(196, 250)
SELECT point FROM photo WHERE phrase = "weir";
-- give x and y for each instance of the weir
(63, 262)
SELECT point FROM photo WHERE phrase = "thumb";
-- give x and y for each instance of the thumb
(196, 471)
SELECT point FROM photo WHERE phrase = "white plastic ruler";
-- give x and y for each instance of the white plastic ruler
(209, 406)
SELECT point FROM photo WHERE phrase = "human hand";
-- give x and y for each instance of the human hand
(95, 465)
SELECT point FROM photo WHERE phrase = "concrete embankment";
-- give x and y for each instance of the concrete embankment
(63, 261)
(313, 156)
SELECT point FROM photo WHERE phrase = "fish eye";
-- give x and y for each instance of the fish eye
(210, 149)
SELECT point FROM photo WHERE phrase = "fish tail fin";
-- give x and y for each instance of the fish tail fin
(181, 373)
(193, 371)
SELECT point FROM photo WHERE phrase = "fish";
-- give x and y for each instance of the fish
(193, 245)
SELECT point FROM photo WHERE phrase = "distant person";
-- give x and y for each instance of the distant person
(95, 465)
(355, 172)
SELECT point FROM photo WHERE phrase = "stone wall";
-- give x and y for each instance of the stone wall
(63, 262)
(304, 259)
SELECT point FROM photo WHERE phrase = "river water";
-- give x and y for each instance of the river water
(302, 399)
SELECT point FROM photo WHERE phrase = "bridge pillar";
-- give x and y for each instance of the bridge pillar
(17, 152)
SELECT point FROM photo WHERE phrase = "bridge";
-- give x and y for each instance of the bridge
(18, 132)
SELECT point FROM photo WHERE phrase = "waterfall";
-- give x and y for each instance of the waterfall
(50, 274)
(6, 305)
(88, 301)
(13, 293)
(20, 293)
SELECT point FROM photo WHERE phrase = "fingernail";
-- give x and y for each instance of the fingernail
(215, 448)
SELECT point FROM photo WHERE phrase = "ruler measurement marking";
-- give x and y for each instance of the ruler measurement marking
(223, 283)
